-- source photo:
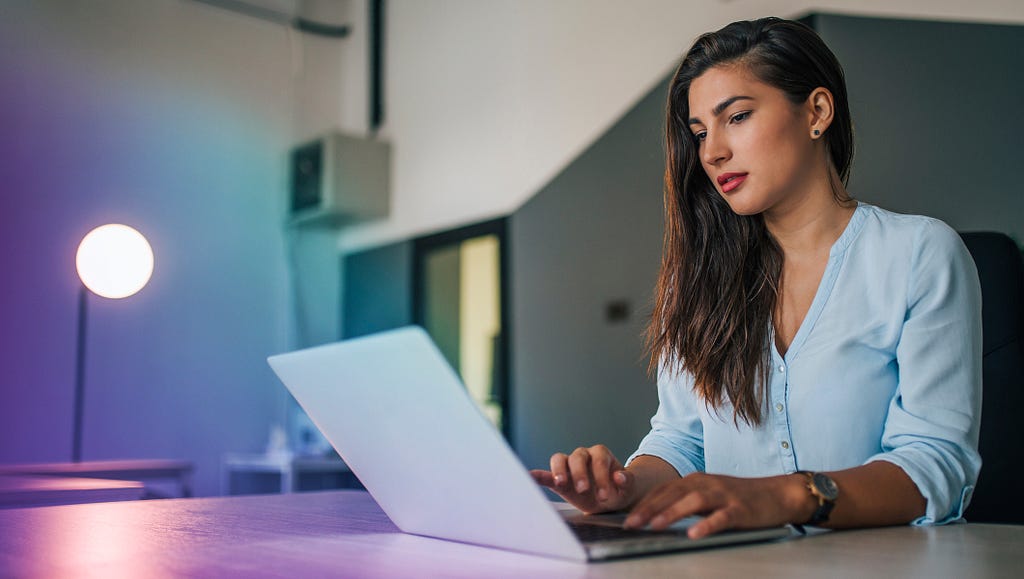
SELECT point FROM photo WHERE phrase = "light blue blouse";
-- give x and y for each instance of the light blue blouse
(886, 366)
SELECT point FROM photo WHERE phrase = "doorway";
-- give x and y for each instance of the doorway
(460, 281)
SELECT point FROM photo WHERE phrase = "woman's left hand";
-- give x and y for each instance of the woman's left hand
(728, 503)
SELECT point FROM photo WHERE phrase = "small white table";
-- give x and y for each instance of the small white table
(289, 467)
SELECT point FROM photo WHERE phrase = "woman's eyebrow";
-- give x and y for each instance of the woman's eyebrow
(721, 107)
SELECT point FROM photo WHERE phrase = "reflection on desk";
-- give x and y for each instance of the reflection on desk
(344, 533)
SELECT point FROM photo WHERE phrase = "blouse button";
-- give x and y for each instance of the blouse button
(781, 368)
(779, 407)
(785, 444)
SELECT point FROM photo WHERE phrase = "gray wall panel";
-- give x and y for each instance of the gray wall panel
(590, 237)
(937, 120)
(378, 289)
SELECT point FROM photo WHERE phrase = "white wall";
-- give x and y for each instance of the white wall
(174, 117)
(487, 100)
(330, 75)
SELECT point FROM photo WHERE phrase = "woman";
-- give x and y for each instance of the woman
(819, 359)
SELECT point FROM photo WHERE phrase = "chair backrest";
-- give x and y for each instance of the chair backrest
(1001, 270)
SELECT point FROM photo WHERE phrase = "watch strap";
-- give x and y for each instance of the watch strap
(825, 505)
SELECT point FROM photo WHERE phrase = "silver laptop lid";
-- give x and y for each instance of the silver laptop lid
(398, 415)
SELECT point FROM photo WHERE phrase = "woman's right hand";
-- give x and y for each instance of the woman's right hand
(590, 479)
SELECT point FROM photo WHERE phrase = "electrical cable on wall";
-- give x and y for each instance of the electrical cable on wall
(296, 22)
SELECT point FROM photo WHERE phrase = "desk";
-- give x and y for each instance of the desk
(35, 491)
(345, 534)
(177, 471)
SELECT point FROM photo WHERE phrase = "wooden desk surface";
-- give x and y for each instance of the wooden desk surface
(345, 534)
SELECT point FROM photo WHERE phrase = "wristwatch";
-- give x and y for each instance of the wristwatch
(824, 489)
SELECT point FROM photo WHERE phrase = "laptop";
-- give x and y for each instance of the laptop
(401, 419)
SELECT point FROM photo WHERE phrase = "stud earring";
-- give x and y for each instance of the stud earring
(816, 132)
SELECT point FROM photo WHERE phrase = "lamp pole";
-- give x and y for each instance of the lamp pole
(76, 448)
(113, 261)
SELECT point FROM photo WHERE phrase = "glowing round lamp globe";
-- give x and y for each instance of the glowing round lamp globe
(114, 261)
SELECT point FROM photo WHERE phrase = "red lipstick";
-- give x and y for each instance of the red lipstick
(730, 181)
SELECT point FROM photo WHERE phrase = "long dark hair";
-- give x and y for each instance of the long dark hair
(721, 272)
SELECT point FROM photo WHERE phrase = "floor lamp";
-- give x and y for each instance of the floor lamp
(114, 261)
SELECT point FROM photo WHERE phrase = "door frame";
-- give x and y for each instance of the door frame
(422, 246)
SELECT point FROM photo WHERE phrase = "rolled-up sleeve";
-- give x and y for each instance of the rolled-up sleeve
(677, 435)
(931, 430)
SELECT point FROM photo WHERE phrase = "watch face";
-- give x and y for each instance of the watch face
(826, 486)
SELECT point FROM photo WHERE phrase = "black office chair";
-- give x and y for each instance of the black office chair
(1001, 270)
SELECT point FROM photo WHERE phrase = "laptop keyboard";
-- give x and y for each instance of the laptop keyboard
(589, 533)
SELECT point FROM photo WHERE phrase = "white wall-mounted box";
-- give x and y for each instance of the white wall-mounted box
(339, 179)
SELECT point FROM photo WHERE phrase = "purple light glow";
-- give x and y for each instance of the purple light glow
(110, 115)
